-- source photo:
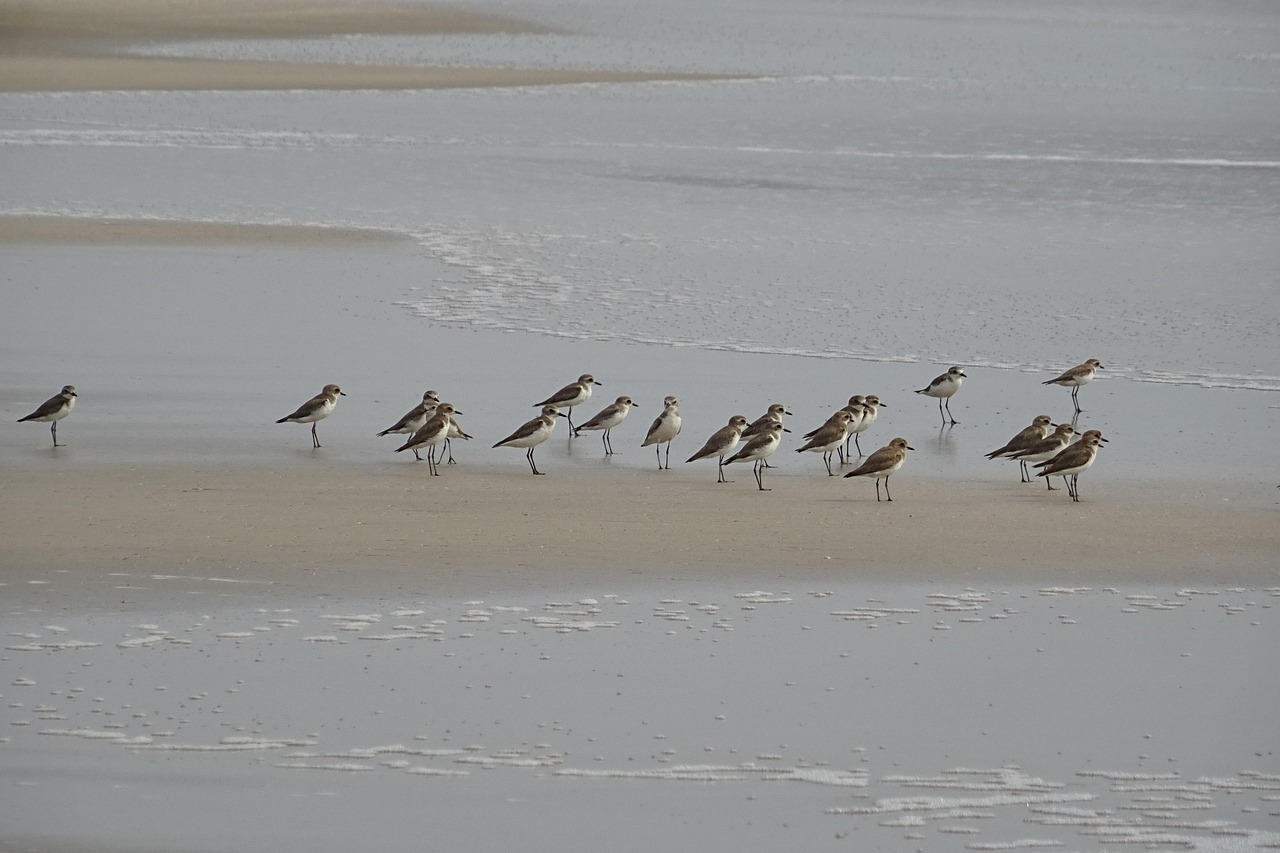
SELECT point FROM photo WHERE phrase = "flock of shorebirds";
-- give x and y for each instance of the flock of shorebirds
(431, 425)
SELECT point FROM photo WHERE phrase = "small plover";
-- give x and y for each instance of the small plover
(431, 433)
(53, 410)
(944, 387)
(828, 438)
(1030, 435)
(573, 394)
(759, 448)
(1046, 448)
(1072, 462)
(415, 418)
(533, 432)
(316, 409)
(608, 418)
(664, 428)
(883, 463)
(871, 407)
(721, 443)
(1081, 374)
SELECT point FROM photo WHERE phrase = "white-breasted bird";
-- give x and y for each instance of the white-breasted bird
(1074, 378)
(883, 463)
(944, 387)
(53, 410)
(314, 410)
(608, 418)
(533, 432)
(573, 394)
(721, 443)
(664, 428)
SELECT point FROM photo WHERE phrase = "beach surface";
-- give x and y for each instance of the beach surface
(217, 637)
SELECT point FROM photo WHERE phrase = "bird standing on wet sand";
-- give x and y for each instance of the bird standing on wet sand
(944, 387)
(665, 427)
(316, 409)
(573, 394)
(758, 449)
(53, 410)
(1030, 435)
(1072, 462)
(721, 443)
(883, 463)
(1046, 448)
(870, 411)
(1081, 374)
(608, 418)
(828, 438)
(533, 432)
(415, 418)
(431, 433)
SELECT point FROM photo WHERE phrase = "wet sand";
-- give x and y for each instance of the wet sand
(79, 46)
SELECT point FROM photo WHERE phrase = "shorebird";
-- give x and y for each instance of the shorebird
(759, 448)
(1046, 448)
(944, 387)
(665, 427)
(871, 406)
(415, 418)
(433, 432)
(316, 409)
(883, 463)
(1072, 462)
(53, 410)
(1037, 431)
(722, 442)
(573, 394)
(1081, 374)
(532, 433)
(828, 438)
(608, 418)
(775, 413)
(855, 407)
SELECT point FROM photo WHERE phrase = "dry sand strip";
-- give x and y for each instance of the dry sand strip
(478, 527)
(79, 45)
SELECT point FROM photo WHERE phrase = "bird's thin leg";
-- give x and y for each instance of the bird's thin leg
(826, 457)
(720, 469)
(531, 462)
(857, 444)
(1022, 467)
(315, 439)
(604, 440)
(1076, 399)
(877, 490)
(1049, 484)
(657, 451)
(572, 429)
(953, 417)
(449, 447)
(886, 489)
(668, 456)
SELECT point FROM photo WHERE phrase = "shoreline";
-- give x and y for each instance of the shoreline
(52, 229)
(477, 526)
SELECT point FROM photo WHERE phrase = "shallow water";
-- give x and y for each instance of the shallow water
(988, 186)
(941, 717)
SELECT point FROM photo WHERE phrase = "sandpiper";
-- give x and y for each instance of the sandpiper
(721, 443)
(533, 432)
(316, 409)
(1072, 462)
(759, 448)
(944, 387)
(433, 432)
(664, 428)
(774, 413)
(608, 418)
(828, 438)
(573, 394)
(1030, 435)
(871, 406)
(1081, 374)
(1046, 448)
(415, 418)
(883, 463)
(53, 410)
